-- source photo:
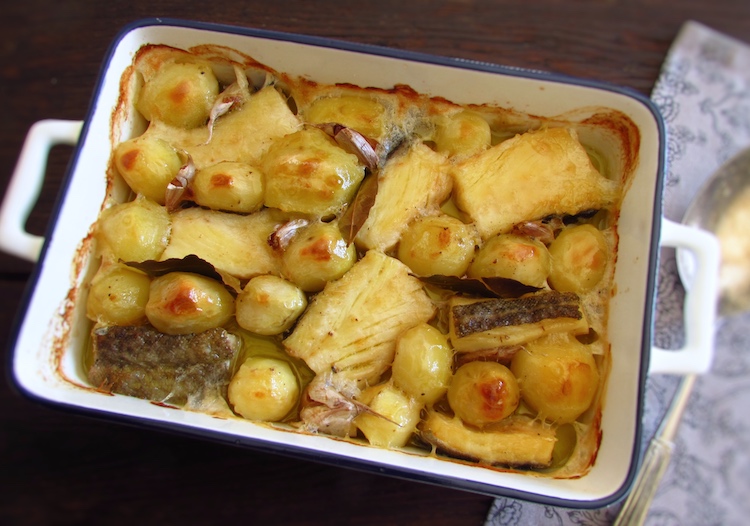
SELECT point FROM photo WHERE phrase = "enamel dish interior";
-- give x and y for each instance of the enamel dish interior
(47, 363)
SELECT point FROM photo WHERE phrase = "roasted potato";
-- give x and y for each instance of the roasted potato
(579, 258)
(510, 256)
(230, 187)
(183, 303)
(148, 164)
(180, 94)
(462, 134)
(118, 295)
(264, 389)
(483, 393)
(269, 305)
(438, 245)
(134, 231)
(422, 364)
(316, 255)
(558, 377)
(308, 172)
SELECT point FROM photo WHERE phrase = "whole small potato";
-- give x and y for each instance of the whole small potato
(422, 363)
(134, 231)
(118, 295)
(184, 303)
(316, 255)
(269, 305)
(264, 389)
(464, 133)
(180, 94)
(558, 377)
(483, 393)
(148, 165)
(513, 257)
(308, 172)
(438, 245)
(230, 186)
(579, 258)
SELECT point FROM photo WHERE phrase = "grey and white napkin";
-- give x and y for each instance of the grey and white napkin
(703, 93)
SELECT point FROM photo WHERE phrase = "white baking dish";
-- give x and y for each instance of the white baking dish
(52, 328)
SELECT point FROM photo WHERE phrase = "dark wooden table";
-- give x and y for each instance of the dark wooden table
(57, 468)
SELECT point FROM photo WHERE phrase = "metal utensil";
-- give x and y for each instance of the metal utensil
(656, 459)
(723, 198)
(720, 195)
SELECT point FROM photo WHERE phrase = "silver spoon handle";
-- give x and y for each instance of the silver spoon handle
(656, 460)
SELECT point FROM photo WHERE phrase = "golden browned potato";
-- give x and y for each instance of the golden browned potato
(483, 393)
(264, 389)
(308, 172)
(229, 186)
(438, 245)
(118, 295)
(558, 377)
(422, 364)
(269, 305)
(579, 259)
(316, 255)
(463, 134)
(133, 231)
(147, 164)
(180, 94)
(184, 303)
(514, 257)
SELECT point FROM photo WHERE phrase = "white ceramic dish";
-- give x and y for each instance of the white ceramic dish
(52, 329)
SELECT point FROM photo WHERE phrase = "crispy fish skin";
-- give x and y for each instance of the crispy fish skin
(485, 315)
(184, 370)
(477, 325)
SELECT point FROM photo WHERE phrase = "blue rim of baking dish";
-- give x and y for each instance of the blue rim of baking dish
(332, 458)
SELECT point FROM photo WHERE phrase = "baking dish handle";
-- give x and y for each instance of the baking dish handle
(26, 183)
(701, 295)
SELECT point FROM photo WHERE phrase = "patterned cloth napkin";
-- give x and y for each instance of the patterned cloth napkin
(703, 93)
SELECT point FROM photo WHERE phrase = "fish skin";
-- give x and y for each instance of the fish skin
(492, 313)
(139, 361)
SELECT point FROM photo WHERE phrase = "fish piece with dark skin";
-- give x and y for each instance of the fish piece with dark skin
(481, 324)
(190, 370)
(482, 316)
